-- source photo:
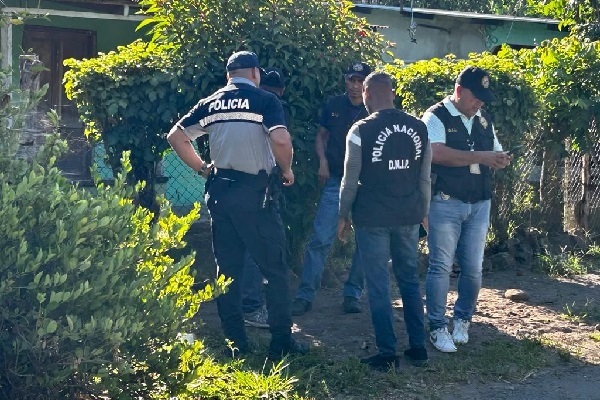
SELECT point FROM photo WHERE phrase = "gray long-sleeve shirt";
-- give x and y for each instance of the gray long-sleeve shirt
(352, 168)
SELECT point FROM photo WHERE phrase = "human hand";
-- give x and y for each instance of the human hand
(206, 170)
(423, 228)
(323, 173)
(344, 226)
(496, 159)
(287, 177)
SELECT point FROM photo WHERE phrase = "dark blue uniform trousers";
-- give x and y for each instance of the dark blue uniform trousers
(238, 223)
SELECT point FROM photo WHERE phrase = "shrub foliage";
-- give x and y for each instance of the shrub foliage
(87, 289)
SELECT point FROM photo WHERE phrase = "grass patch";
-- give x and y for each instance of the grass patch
(563, 351)
(319, 376)
(595, 336)
(499, 359)
(588, 313)
(565, 264)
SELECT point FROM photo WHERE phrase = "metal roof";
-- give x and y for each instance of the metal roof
(458, 14)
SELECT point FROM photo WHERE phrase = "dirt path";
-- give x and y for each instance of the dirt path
(562, 315)
(576, 382)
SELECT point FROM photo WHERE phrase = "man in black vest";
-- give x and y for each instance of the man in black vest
(387, 186)
(465, 152)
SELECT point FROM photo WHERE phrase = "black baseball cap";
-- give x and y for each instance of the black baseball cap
(477, 80)
(273, 77)
(242, 60)
(358, 69)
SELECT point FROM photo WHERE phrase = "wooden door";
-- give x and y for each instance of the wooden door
(53, 46)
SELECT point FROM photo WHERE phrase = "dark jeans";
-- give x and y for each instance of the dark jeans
(376, 245)
(239, 224)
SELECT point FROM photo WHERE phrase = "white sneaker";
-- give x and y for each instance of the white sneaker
(460, 333)
(441, 340)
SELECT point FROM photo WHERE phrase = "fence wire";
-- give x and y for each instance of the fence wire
(183, 187)
(582, 187)
(542, 191)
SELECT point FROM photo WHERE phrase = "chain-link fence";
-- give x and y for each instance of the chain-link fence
(582, 188)
(541, 191)
(183, 187)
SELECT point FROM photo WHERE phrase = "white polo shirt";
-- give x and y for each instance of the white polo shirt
(437, 131)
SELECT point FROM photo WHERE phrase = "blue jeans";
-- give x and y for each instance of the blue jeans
(252, 282)
(456, 230)
(376, 245)
(324, 232)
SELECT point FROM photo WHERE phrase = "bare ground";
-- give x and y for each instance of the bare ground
(562, 315)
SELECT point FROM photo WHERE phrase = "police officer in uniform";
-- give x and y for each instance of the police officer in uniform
(387, 188)
(247, 138)
(337, 116)
(465, 152)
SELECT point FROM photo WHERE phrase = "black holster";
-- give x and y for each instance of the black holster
(273, 196)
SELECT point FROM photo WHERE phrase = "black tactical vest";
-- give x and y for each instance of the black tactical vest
(459, 182)
(393, 145)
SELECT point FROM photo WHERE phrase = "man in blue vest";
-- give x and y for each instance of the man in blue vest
(387, 187)
(337, 116)
(247, 138)
(465, 152)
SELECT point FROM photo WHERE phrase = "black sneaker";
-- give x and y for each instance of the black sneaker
(277, 352)
(382, 363)
(350, 305)
(300, 306)
(417, 356)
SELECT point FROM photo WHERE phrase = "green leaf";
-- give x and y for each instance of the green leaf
(51, 327)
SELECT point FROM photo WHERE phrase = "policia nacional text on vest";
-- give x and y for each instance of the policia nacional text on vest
(459, 182)
(393, 145)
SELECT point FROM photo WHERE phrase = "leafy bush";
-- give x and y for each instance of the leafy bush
(90, 301)
(130, 97)
(563, 74)
(127, 100)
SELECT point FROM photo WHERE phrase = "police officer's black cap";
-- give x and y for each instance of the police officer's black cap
(242, 60)
(273, 77)
(360, 69)
(477, 80)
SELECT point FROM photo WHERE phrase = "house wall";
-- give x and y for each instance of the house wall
(442, 35)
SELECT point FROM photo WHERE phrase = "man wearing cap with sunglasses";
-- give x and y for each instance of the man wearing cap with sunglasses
(337, 116)
(465, 152)
(247, 138)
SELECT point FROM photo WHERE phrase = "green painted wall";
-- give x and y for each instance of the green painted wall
(522, 33)
(443, 34)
